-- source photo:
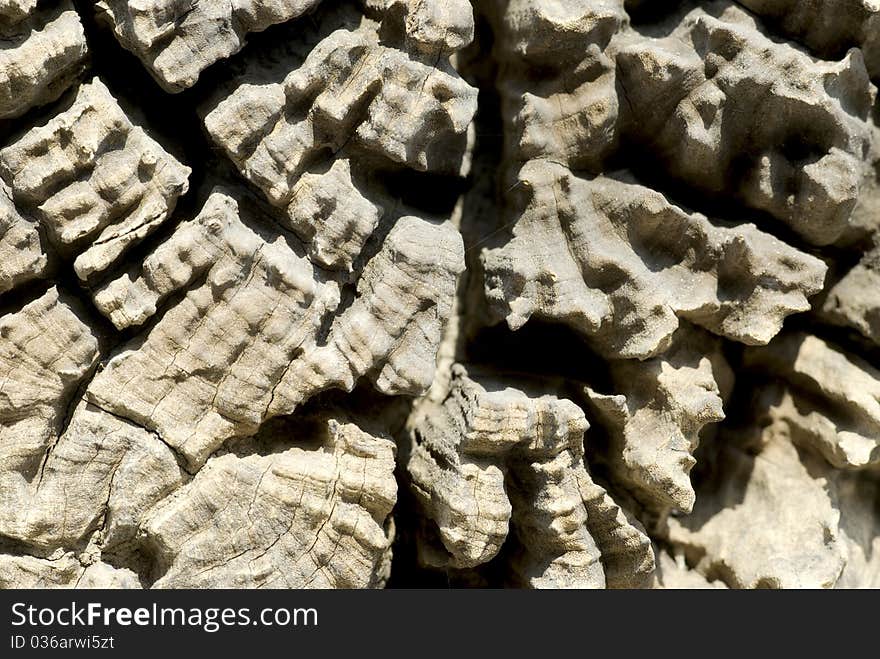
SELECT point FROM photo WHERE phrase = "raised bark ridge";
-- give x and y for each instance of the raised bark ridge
(534, 293)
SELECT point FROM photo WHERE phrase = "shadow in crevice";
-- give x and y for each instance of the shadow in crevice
(540, 349)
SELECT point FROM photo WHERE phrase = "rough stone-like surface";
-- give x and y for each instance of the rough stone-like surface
(492, 459)
(317, 518)
(332, 217)
(654, 423)
(619, 263)
(802, 163)
(65, 571)
(350, 93)
(796, 476)
(469, 293)
(830, 400)
(854, 301)
(43, 53)
(826, 26)
(177, 40)
(106, 470)
(21, 253)
(256, 335)
(391, 332)
(97, 183)
(674, 574)
(556, 82)
(616, 135)
(102, 470)
(781, 519)
(217, 324)
(45, 353)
